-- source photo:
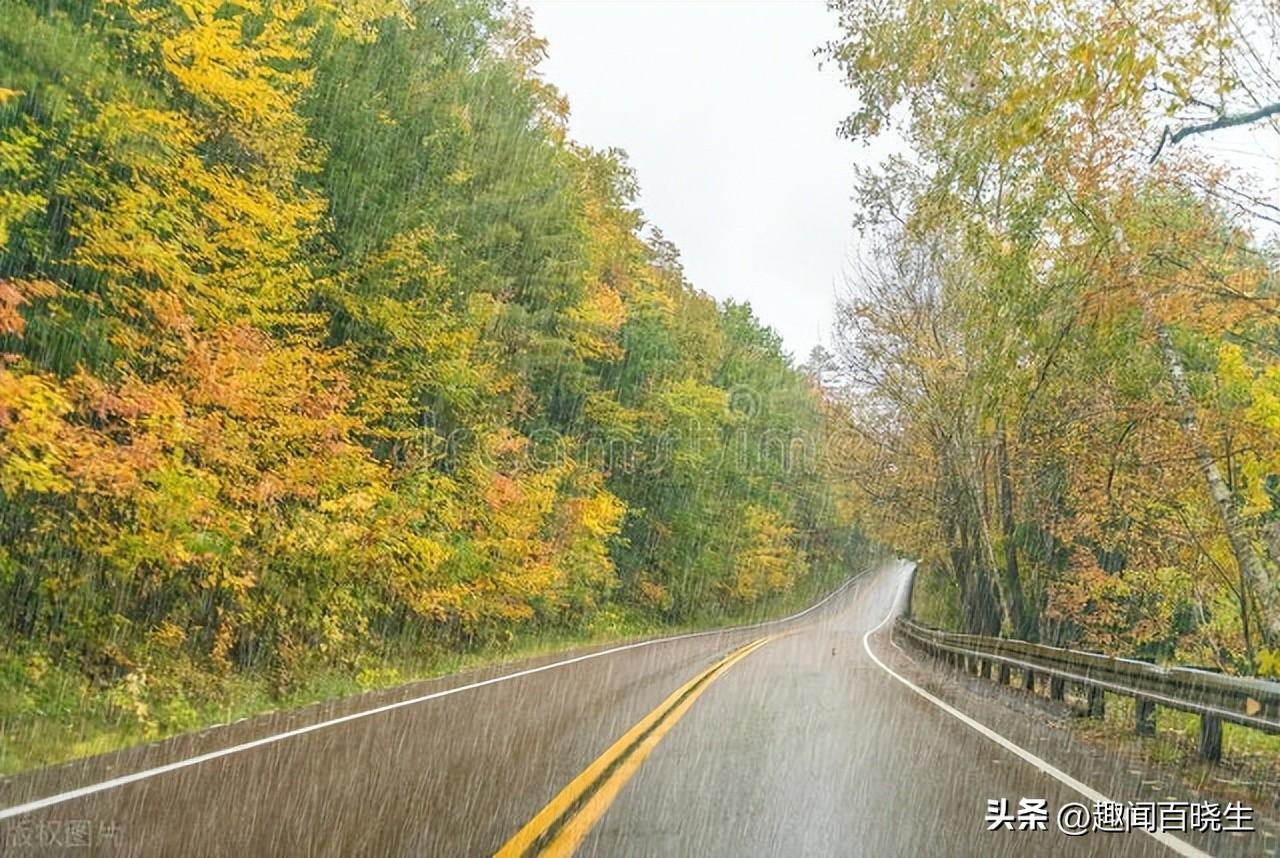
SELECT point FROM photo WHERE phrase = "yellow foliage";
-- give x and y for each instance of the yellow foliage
(249, 75)
(766, 562)
(35, 441)
(599, 318)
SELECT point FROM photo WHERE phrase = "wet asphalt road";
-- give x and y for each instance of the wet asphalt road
(805, 747)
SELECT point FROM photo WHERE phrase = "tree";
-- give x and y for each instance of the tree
(1029, 126)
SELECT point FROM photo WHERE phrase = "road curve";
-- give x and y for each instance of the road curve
(790, 739)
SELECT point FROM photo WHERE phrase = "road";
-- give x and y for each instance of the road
(812, 737)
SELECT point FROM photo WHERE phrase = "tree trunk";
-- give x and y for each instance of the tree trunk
(1024, 625)
(1250, 654)
(981, 609)
(1266, 599)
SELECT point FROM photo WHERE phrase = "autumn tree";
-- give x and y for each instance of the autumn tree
(1032, 128)
(323, 347)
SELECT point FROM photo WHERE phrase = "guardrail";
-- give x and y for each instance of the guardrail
(1213, 696)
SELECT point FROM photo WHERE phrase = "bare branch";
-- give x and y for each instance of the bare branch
(1225, 121)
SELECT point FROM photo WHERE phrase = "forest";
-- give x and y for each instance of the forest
(1059, 362)
(325, 350)
(328, 358)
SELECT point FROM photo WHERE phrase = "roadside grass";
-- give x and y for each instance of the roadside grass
(1250, 767)
(67, 719)
(49, 715)
(1250, 758)
(1249, 770)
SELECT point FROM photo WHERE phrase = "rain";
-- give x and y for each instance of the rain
(882, 459)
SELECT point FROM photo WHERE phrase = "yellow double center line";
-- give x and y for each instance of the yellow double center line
(559, 827)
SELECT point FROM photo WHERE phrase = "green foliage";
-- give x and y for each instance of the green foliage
(321, 343)
(1065, 350)
(934, 600)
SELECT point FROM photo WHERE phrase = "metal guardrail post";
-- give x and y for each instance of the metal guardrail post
(1203, 691)
(1210, 728)
(1097, 702)
(1144, 709)
(1211, 738)
(1144, 717)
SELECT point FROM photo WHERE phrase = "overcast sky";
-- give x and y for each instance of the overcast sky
(730, 127)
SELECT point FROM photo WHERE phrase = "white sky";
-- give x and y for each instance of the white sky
(730, 127)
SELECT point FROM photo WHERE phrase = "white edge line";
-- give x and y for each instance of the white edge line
(1177, 845)
(122, 780)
